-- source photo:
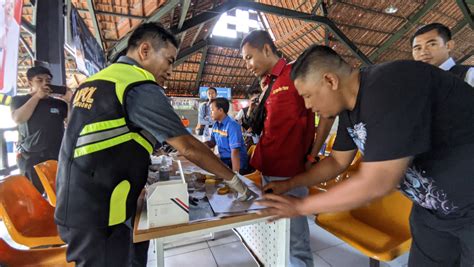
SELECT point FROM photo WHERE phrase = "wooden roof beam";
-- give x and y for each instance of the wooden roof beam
(201, 66)
(466, 11)
(27, 47)
(28, 27)
(113, 14)
(288, 13)
(122, 44)
(205, 16)
(366, 9)
(412, 20)
(184, 11)
(464, 58)
(197, 34)
(214, 41)
(97, 36)
(187, 52)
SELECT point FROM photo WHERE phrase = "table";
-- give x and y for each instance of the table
(269, 242)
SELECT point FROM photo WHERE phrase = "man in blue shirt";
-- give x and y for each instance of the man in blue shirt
(227, 135)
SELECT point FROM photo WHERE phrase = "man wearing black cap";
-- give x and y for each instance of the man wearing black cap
(40, 120)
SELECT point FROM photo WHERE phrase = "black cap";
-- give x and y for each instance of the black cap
(38, 70)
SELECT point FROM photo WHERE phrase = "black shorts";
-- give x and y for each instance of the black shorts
(440, 244)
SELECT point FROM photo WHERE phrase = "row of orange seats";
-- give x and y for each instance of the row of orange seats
(29, 220)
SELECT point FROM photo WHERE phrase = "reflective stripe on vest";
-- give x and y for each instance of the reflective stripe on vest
(105, 134)
(95, 137)
(5, 99)
(110, 142)
(118, 203)
(102, 125)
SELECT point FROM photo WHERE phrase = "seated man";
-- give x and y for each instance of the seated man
(227, 135)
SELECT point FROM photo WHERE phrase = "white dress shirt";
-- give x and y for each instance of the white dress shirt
(449, 63)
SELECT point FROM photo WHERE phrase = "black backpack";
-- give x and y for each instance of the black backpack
(258, 115)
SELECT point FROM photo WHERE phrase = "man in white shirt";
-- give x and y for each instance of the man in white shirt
(432, 44)
(205, 121)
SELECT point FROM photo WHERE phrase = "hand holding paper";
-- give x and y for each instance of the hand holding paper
(237, 185)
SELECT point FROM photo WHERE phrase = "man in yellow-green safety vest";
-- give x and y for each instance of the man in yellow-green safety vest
(117, 117)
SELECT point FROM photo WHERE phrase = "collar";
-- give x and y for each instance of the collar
(225, 120)
(448, 64)
(276, 70)
(128, 60)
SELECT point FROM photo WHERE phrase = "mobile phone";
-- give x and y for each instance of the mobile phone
(58, 89)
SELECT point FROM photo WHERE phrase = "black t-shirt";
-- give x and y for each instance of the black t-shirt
(408, 108)
(43, 132)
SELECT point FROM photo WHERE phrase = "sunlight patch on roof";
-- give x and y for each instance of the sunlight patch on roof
(237, 23)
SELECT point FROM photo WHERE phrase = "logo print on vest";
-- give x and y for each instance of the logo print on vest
(83, 98)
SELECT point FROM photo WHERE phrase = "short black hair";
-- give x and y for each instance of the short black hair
(212, 88)
(153, 32)
(253, 90)
(257, 39)
(37, 70)
(221, 103)
(443, 31)
(317, 57)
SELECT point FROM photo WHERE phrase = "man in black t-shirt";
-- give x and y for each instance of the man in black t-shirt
(414, 125)
(40, 120)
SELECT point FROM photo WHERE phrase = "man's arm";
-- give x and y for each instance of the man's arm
(235, 158)
(199, 154)
(24, 113)
(210, 144)
(326, 169)
(164, 124)
(372, 181)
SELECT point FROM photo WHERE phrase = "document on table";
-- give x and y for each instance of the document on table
(229, 205)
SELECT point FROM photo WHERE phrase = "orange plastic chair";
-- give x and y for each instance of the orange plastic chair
(55, 256)
(28, 218)
(330, 143)
(379, 230)
(256, 177)
(322, 187)
(47, 173)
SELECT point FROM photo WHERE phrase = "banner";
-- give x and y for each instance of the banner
(221, 92)
(10, 20)
(180, 103)
(89, 55)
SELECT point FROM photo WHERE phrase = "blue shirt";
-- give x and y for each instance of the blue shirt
(227, 135)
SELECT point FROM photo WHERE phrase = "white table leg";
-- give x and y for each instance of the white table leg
(160, 252)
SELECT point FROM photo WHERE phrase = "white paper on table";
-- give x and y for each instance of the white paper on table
(195, 169)
(159, 159)
(229, 203)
